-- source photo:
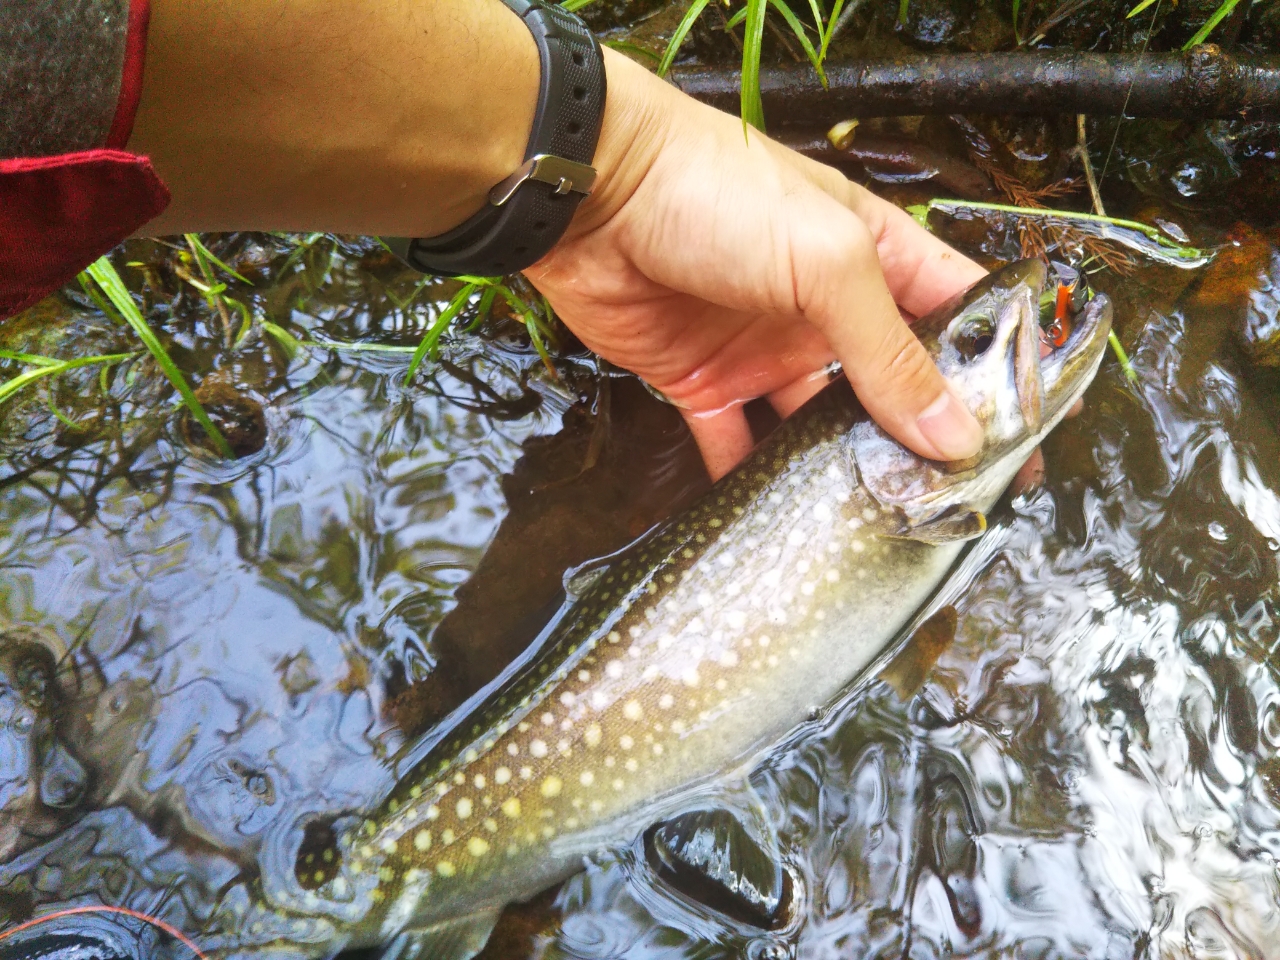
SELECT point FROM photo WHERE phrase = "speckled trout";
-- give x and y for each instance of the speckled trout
(682, 656)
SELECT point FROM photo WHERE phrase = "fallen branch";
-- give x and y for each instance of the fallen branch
(1203, 83)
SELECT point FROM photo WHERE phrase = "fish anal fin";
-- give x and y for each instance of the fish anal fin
(459, 938)
(951, 526)
(713, 857)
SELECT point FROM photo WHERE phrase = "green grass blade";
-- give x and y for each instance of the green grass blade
(677, 39)
(105, 274)
(902, 11)
(829, 31)
(1219, 15)
(290, 344)
(573, 6)
(752, 105)
(101, 304)
(1161, 245)
(1125, 363)
(736, 19)
(45, 369)
(798, 29)
(622, 46)
(1139, 8)
(31, 359)
(202, 250)
(436, 330)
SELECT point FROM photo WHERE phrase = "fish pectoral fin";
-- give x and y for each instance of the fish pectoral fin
(714, 857)
(459, 938)
(951, 526)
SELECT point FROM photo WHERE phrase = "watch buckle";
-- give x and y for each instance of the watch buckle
(565, 175)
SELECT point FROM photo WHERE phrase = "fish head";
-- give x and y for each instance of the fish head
(1018, 348)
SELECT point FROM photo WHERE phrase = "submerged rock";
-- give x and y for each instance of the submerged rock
(237, 416)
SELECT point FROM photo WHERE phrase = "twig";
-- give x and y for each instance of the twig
(1082, 142)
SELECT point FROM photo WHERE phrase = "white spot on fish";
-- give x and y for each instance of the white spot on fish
(821, 512)
(625, 742)
(599, 701)
(631, 766)
(501, 775)
(807, 588)
(633, 710)
(587, 778)
(796, 537)
(479, 781)
(689, 677)
(464, 808)
(511, 807)
(551, 787)
(538, 749)
(445, 868)
(422, 840)
(567, 698)
(613, 670)
(513, 749)
(857, 546)
(832, 575)
(705, 599)
(728, 659)
(477, 846)
(666, 701)
(584, 676)
(548, 719)
(592, 735)
(802, 566)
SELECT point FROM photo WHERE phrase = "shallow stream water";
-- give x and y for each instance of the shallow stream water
(195, 653)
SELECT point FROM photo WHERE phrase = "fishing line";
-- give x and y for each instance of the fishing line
(135, 914)
(1146, 41)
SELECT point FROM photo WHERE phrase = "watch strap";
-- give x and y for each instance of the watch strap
(529, 212)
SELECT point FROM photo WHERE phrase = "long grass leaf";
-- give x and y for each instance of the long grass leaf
(288, 342)
(31, 359)
(575, 5)
(198, 245)
(736, 19)
(829, 30)
(1219, 15)
(902, 12)
(105, 274)
(436, 330)
(12, 386)
(677, 39)
(1139, 8)
(622, 46)
(752, 105)
(798, 29)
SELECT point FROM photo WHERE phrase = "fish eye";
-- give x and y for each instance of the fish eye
(974, 335)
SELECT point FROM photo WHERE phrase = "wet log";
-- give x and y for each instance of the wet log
(1203, 83)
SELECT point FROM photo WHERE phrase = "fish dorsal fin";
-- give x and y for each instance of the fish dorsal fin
(460, 938)
(950, 526)
(722, 860)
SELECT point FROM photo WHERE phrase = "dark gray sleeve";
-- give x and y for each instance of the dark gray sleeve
(60, 64)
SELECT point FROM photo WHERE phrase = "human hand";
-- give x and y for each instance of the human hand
(721, 268)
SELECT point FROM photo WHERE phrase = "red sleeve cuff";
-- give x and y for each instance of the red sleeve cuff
(59, 214)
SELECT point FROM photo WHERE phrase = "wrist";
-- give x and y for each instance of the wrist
(637, 114)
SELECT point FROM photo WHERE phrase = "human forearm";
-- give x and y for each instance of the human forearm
(393, 117)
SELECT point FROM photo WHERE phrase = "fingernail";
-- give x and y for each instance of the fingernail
(952, 429)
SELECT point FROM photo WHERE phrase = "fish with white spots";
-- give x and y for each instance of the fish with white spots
(678, 658)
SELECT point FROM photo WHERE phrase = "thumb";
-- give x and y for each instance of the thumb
(841, 290)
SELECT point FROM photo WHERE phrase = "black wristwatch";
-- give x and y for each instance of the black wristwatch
(530, 210)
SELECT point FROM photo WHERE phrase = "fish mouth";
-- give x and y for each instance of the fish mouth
(1050, 373)
(1069, 366)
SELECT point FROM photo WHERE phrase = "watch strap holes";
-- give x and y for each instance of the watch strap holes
(579, 93)
(578, 59)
